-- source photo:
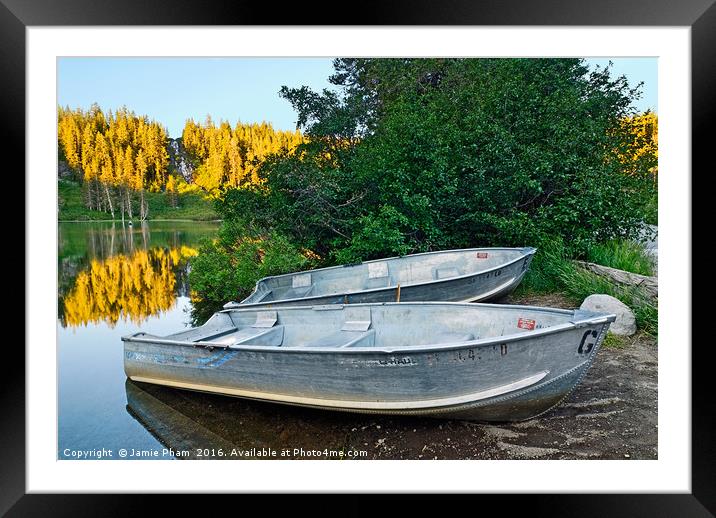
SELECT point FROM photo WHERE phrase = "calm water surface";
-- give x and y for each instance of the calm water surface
(115, 280)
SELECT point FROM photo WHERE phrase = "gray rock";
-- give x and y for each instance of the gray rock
(625, 323)
(179, 160)
(649, 237)
(63, 170)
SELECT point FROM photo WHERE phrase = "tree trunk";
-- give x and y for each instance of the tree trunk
(650, 285)
(109, 200)
(99, 201)
(129, 204)
(143, 206)
(86, 195)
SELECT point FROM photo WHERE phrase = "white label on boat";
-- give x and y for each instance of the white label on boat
(300, 281)
(376, 270)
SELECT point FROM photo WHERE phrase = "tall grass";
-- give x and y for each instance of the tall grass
(623, 255)
(552, 270)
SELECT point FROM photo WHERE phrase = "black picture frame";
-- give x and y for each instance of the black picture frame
(700, 15)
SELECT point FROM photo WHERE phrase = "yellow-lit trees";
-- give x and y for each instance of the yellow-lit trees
(227, 157)
(120, 155)
(70, 137)
(641, 154)
(106, 150)
(105, 168)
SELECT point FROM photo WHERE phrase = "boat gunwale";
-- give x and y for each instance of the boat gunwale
(590, 318)
(526, 252)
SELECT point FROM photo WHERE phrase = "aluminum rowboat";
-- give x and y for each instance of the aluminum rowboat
(468, 275)
(466, 361)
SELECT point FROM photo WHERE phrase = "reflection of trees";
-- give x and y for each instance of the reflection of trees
(136, 285)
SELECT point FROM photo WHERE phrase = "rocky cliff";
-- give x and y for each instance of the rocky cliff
(178, 159)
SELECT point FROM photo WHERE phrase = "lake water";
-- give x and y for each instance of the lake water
(114, 280)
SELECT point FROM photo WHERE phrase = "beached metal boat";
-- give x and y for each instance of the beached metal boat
(468, 275)
(466, 361)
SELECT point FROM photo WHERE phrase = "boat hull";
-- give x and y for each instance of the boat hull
(506, 379)
(490, 285)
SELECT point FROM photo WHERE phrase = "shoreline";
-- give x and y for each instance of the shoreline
(127, 220)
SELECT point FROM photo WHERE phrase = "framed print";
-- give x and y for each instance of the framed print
(64, 437)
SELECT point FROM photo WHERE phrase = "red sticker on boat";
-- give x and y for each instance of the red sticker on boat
(526, 323)
(482, 255)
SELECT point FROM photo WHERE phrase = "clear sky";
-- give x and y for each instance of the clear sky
(171, 90)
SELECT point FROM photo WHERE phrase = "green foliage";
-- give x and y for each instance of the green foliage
(651, 208)
(624, 255)
(189, 206)
(425, 154)
(381, 231)
(543, 274)
(228, 267)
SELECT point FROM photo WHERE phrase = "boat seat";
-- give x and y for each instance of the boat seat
(250, 336)
(344, 339)
(263, 331)
(446, 338)
(211, 333)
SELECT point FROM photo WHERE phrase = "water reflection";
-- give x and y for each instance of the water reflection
(111, 272)
(190, 421)
(127, 286)
(173, 429)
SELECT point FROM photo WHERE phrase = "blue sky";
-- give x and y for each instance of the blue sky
(171, 90)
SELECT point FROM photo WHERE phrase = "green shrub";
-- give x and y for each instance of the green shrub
(625, 255)
(228, 267)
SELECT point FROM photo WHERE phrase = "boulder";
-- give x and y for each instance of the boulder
(625, 323)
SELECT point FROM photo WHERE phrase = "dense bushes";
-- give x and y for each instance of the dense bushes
(228, 267)
(424, 154)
